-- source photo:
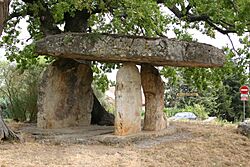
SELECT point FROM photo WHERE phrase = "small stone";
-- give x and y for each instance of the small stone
(244, 128)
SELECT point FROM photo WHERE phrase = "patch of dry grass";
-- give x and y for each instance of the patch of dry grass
(211, 145)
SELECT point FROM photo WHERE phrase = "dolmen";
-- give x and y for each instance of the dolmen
(65, 94)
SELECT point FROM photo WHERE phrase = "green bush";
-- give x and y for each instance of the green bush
(19, 89)
(198, 110)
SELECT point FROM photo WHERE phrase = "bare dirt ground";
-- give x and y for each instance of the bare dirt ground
(194, 144)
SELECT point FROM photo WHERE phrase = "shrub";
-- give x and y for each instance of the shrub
(198, 110)
(19, 89)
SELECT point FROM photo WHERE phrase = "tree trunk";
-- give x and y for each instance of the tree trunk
(6, 133)
(4, 9)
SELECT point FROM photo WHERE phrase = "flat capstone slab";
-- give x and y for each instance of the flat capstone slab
(119, 48)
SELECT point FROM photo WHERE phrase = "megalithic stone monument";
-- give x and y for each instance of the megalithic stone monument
(132, 50)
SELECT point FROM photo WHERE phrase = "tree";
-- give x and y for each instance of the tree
(137, 17)
(4, 8)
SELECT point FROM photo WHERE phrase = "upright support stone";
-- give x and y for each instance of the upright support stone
(128, 100)
(65, 95)
(153, 89)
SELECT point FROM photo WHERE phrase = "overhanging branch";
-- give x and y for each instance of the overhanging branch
(222, 26)
(221, 30)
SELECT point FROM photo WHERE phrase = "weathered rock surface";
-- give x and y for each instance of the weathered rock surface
(244, 128)
(153, 88)
(116, 48)
(65, 95)
(128, 100)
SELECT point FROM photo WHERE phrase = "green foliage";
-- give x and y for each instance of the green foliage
(108, 105)
(100, 78)
(230, 15)
(19, 91)
(198, 110)
(224, 101)
(60, 7)
(138, 17)
(224, 122)
(218, 88)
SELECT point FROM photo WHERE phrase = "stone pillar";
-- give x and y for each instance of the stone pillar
(128, 100)
(153, 89)
(65, 95)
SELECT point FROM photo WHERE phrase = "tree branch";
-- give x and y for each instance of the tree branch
(188, 8)
(189, 17)
(176, 11)
(184, 14)
(203, 17)
(221, 30)
(13, 15)
(232, 44)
